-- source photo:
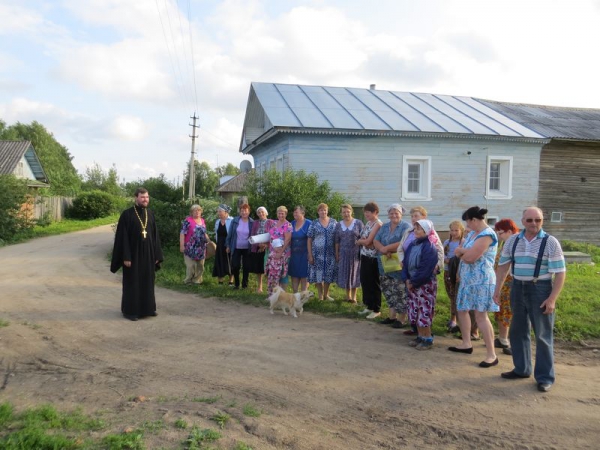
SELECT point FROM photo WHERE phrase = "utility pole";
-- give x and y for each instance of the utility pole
(192, 186)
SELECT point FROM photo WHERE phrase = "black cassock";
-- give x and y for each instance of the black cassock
(143, 252)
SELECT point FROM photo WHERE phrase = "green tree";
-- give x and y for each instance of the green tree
(207, 181)
(14, 203)
(159, 188)
(95, 178)
(290, 188)
(228, 169)
(55, 158)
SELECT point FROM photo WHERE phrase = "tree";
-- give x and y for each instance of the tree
(159, 188)
(96, 179)
(273, 189)
(14, 202)
(55, 158)
(207, 181)
(228, 169)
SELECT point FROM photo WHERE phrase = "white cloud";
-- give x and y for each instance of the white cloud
(128, 128)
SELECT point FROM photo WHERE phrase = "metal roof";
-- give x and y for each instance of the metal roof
(11, 153)
(553, 121)
(272, 105)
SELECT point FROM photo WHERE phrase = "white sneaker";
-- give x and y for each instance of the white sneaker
(329, 299)
(365, 311)
(373, 315)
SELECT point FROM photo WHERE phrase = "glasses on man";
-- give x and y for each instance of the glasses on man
(500, 232)
(533, 220)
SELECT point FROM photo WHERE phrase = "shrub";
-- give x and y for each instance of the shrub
(94, 205)
(14, 205)
(170, 215)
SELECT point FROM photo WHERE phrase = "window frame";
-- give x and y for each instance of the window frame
(505, 178)
(424, 194)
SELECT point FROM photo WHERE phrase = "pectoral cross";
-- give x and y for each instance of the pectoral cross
(144, 233)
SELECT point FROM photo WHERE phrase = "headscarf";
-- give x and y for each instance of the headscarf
(427, 226)
(263, 208)
(397, 207)
(224, 207)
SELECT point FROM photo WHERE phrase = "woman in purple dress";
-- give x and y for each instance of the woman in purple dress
(347, 252)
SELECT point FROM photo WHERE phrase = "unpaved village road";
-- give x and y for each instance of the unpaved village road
(321, 383)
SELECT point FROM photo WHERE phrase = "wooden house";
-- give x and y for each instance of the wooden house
(569, 178)
(445, 153)
(19, 159)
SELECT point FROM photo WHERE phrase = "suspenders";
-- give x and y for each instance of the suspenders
(538, 263)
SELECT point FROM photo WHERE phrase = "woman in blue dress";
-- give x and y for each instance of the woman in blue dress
(477, 283)
(322, 267)
(298, 266)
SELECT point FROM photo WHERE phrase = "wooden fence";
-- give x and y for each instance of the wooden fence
(54, 207)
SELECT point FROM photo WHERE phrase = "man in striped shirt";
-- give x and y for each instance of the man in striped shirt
(535, 257)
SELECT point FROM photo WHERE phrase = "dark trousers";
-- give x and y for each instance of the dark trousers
(369, 281)
(240, 259)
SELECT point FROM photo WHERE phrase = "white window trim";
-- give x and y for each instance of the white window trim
(424, 196)
(279, 161)
(506, 180)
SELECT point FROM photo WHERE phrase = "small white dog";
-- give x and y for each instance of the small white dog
(289, 302)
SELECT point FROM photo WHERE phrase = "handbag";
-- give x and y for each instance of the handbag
(211, 249)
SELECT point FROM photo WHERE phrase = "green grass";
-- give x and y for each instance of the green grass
(209, 400)
(62, 227)
(578, 307)
(221, 418)
(4, 323)
(250, 411)
(198, 437)
(44, 427)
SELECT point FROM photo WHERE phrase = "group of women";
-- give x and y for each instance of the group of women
(398, 259)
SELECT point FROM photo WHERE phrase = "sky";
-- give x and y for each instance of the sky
(117, 81)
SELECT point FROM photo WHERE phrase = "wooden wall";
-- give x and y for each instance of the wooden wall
(570, 183)
(370, 168)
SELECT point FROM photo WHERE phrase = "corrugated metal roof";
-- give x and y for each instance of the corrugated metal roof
(272, 105)
(553, 121)
(11, 153)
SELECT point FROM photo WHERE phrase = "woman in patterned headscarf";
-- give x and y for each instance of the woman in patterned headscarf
(419, 275)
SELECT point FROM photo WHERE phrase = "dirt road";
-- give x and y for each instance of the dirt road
(321, 383)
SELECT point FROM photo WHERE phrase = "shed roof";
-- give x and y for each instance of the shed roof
(553, 121)
(11, 153)
(235, 184)
(350, 110)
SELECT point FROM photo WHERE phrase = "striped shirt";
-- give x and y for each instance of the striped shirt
(526, 255)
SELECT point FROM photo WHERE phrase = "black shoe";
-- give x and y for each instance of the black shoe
(468, 351)
(235, 288)
(398, 324)
(512, 375)
(154, 314)
(507, 351)
(387, 321)
(499, 344)
(455, 329)
(131, 317)
(487, 364)
(544, 387)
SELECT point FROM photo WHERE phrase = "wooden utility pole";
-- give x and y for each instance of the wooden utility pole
(192, 183)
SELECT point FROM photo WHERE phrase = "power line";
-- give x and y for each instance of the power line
(193, 56)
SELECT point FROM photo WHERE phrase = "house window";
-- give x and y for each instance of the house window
(499, 177)
(263, 168)
(272, 164)
(491, 220)
(280, 164)
(20, 169)
(416, 178)
(556, 216)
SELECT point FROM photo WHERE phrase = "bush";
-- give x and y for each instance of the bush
(14, 205)
(290, 188)
(170, 215)
(94, 205)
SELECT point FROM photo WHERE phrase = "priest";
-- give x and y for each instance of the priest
(137, 249)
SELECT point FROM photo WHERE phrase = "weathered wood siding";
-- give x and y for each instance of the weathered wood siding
(370, 168)
(569, 184)
(55, 207)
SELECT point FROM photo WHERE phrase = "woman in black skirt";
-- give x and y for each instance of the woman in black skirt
(222, 267)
